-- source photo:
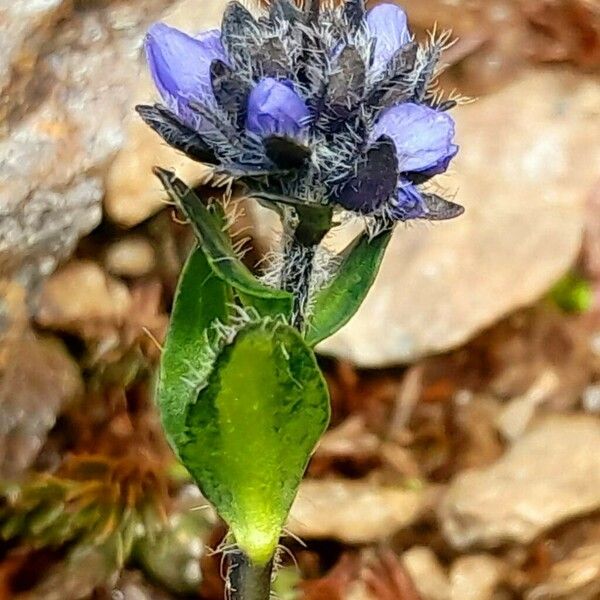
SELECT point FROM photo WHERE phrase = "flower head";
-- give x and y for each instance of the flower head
(318, 106)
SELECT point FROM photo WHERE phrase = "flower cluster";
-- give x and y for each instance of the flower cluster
(326, 106)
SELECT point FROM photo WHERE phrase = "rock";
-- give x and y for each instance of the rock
(64, 122)
(14, 317)
(353, 512)
(522, 228)
(518, 412)
(133, 586)
(38, 379)
(426, 573)
(130, 257)
(575, 578)
(475, 577)
(172, 556)
(591, 398)
(80, 292)
(591, 247)
(357, 590)
(133, 194)
(550, 475)
(24, 26)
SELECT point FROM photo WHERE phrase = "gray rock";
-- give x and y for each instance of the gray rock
(550, 475)
(38, 379)
(529, 157)
(24, 26)
(64, 122)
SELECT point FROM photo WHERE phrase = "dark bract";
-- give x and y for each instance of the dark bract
(322, 106)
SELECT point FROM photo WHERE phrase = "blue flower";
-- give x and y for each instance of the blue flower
(327, 107)
(424, 144)
(423, 137)
(180, 66)
(274, 108)
(409, 142)
(388, 28)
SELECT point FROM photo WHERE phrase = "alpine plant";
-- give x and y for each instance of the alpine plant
(320, 113)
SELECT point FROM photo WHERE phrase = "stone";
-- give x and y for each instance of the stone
(14, 315)
(577, 577)
(353, 512)
(25, 26)
(38, 379)
(427, 573)
(64, 121)
(133, 586)
(550, 475)
(81, 292)
(591, 246)
(518, 412)
(475, 577)
(591, 398)
(172, 556)
(130, 257)
(520, 176)
(358, 590)
(132, 192)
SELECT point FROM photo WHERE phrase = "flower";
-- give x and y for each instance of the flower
(180, 66)
(423, 137)
(388, 28)
(274, 108)
(329, 107)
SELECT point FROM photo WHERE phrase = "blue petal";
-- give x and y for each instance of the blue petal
(180, 66)
(409, 203)
(388, 26)
(423, 137)
(274, 108)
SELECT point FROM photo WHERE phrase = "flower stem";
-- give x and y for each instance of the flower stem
(297, 274)
(300, 256)
(247, 580)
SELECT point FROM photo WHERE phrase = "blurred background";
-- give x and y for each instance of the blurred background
(463, 459)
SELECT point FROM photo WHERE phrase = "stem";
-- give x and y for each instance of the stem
(312, 226)
(297, 274)
(247, 580)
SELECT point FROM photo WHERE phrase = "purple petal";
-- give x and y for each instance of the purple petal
(388, 26)
(180, 66)
(409, 203)
(274, 108)
(423, 137)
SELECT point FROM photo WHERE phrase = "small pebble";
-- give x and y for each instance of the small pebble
(591, 398)
(130, 257)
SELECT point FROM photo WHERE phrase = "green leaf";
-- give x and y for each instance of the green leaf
(252, 431)
(201, 299)
(337, 302)
(219, 251)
